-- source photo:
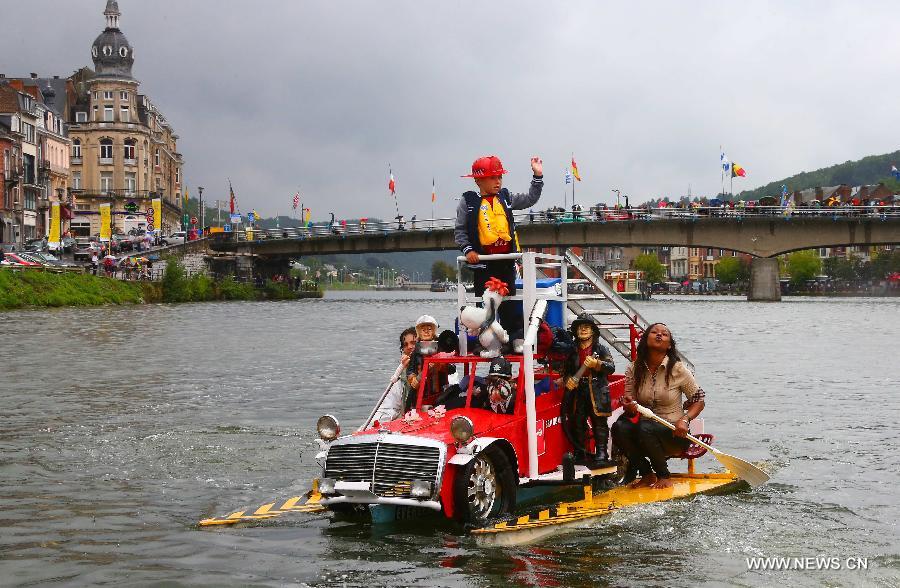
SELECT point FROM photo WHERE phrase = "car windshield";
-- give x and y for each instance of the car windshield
(466, 384)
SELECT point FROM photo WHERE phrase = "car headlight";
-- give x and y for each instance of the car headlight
(326, 486)
(461, 428)
(420, 489)
(328, 427)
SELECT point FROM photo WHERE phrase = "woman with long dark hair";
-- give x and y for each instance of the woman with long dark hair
(657, 379)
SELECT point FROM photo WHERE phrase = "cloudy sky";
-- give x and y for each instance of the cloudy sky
(320, 97)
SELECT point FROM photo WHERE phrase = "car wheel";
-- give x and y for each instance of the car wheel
(485, 488)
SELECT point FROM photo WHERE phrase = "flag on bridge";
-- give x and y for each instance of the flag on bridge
(575, 169)
(296, 200)
(784, 195)
(723, 159)
(231, 197)
(737, 170)
(895, 172)
(307, 213)
(568, 176)
(392, 185)
(433, 193)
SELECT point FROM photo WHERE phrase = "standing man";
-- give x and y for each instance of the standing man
(587, 397)
(484, 225)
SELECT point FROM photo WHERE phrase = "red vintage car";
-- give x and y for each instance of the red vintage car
(467, 464)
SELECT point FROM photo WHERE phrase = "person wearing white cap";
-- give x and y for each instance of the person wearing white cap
(426, 329)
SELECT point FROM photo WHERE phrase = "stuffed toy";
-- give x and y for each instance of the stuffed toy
(483, 323)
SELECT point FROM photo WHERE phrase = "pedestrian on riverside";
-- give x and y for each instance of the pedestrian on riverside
(485, 226)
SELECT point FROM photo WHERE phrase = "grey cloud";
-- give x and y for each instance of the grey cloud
(323, 95)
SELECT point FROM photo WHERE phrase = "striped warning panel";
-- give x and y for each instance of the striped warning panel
(307, 503)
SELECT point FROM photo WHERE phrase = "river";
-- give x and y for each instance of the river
(121, 427)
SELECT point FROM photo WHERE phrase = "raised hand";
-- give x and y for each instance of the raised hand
(537, 166)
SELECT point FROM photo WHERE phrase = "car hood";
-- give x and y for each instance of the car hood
(439, 428)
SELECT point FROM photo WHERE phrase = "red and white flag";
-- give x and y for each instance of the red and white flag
(296, 200)
(392, 185)
(433, 195)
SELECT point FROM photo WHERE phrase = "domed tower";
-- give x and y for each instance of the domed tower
(111, 52)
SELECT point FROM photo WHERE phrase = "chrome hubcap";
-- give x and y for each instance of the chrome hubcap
(482, 488)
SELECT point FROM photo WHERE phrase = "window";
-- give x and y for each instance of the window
(157, 157)
(76, 149)
(123, 51)
(129, 149)
(106, 182)
(96, 113)
(6, 163)
(123, 95)
(28, 131)
(108, 113)
(130, 183)
(106, 149)
(125, 114)
(96, 95)
(108, 95)
(76, 180)
(177, 175)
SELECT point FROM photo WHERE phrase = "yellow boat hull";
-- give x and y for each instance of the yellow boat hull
(529, 528)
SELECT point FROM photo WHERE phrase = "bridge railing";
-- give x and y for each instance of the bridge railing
(559, 216)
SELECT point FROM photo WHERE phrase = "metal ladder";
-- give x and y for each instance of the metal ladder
(618, 321)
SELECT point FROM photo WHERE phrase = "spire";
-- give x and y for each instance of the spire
(112, 14)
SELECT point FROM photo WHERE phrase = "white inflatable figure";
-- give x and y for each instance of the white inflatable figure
(483, 323)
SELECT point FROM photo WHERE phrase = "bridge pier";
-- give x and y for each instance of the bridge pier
(764, 284)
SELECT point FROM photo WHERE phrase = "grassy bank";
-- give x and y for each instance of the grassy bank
(176, 286)
(24, 288)
(31, 288)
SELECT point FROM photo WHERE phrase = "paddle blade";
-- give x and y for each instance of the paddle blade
(742, 469)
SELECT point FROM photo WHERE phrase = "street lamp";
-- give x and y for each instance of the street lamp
(200, 189)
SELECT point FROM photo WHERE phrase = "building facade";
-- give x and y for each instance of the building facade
(123, 150)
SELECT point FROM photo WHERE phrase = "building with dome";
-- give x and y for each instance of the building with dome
(123, 150)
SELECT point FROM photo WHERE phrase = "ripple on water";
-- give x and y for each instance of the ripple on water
(108, 458)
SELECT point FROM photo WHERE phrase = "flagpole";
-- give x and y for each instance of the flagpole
(574, 179)
(722, 168)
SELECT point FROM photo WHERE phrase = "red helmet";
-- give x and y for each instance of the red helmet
(487, 167)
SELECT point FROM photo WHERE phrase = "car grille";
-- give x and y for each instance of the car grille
(389, 467)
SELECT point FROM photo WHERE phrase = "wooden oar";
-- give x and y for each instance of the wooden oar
(740, 468)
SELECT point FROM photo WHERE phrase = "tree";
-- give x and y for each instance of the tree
(731, 270)
(803, 266)
(441, 271)
(653, 270)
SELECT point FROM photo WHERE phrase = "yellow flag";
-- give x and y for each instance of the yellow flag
(105, 218)
(53, 239)
(157, 214)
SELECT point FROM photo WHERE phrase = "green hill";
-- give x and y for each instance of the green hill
(868, 170)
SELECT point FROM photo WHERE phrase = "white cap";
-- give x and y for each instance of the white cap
(427, 319)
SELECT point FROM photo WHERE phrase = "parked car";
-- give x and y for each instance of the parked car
(39, 244)
(85, 250)
(175, 238)
(18, 259)
(122, 242)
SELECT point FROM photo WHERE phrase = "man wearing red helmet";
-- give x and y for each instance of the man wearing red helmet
(484, 225)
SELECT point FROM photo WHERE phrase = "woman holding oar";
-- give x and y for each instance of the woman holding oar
(656, 379)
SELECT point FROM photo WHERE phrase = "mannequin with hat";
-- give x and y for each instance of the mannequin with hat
(428, 344)
(485, 225)
(587, 392)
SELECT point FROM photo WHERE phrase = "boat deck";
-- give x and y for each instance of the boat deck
(528, 528)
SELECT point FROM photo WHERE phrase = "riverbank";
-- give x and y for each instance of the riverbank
(35, 289)
(31, 288)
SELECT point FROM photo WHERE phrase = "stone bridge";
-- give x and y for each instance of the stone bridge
(764, 237)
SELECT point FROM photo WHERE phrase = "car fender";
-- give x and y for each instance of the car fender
(467, 453)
